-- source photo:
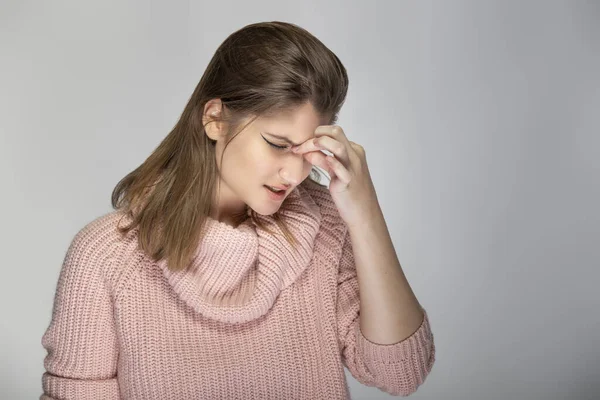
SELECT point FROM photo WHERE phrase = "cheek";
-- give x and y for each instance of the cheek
(241, 160)
(262, 167)
(259, 162)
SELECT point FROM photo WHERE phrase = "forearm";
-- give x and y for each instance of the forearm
(389, 310)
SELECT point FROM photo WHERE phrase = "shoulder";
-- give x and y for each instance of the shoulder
(99, 235)
(95, 250)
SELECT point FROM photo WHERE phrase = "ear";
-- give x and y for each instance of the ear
(212, 119)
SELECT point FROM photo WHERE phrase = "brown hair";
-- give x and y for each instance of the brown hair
(260, 70)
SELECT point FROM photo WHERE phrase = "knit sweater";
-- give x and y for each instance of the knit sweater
(252, 318)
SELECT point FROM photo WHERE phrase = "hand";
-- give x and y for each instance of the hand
(351, 187)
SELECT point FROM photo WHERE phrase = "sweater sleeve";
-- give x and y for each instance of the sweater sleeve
(398, 369)
(81, 342)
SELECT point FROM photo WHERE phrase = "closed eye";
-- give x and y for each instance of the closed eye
(274, 145)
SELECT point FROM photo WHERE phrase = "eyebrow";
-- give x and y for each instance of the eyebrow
(282, 138)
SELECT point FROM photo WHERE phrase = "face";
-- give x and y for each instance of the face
(260, 155)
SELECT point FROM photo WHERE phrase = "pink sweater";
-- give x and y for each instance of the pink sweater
(252, 319)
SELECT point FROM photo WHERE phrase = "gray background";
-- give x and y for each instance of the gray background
(481, 124)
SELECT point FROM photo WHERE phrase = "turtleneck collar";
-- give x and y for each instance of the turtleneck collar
(238, 272)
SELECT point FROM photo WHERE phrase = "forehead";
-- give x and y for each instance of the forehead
(297, 125)
(302, 114)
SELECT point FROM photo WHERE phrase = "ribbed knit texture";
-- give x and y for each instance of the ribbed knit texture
(252, 318)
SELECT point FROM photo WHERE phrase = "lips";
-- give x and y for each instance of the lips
(270, 187)
(278, 187)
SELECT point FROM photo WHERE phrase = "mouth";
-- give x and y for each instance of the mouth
(275, 194)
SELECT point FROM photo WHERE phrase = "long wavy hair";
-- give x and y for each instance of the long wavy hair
(260, 70)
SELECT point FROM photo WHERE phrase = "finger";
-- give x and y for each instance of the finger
(335, 147)
(319, 159)
(343, 150)
(339, 169)
(307, 146)
(316, 158)
(324, 144)
(335, 131)
(333, 167)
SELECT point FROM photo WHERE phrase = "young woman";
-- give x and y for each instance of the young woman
(236, 274)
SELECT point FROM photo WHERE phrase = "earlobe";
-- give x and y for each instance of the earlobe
(210, 129)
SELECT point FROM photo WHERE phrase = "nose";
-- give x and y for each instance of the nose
(294, 169)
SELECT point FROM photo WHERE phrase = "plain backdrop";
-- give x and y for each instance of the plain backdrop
(481, 124)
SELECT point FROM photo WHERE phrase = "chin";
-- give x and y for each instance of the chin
(266, 210)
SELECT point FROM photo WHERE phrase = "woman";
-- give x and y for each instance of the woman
(225, 275)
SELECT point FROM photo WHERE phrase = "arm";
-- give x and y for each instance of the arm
(385, 334)
(81, 341)
(390, 311)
